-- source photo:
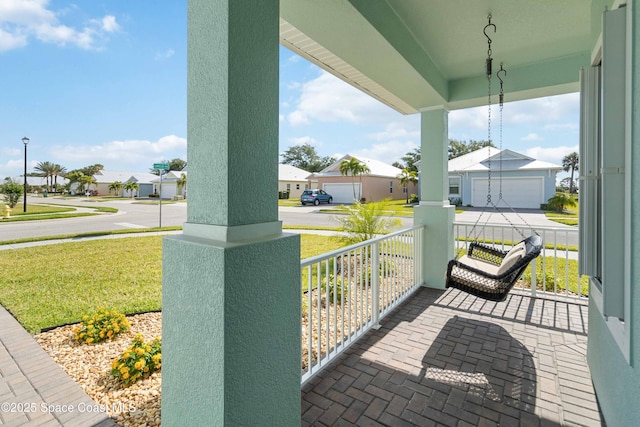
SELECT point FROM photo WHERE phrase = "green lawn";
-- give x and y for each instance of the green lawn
(51, 285)
(33, 209)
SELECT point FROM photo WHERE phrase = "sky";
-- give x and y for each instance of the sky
(104, 82)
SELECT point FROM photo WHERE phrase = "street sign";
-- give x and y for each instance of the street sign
(164, 166)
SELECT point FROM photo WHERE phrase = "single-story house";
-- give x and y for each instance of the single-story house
(170, 187)
(526, 182)
(292, 179)
(39, 183)
(380, 183)
(105, 178)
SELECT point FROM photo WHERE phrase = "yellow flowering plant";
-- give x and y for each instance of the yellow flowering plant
(102, 325)
(140, 359)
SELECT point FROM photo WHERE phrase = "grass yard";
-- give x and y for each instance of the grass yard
(47, 286)
(33, 209)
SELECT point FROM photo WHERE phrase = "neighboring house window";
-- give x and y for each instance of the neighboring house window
(298, 186)
(306, 186)
(288, 187)
(454, 186)
(390, 186)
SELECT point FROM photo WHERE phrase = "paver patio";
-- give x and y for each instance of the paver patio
(34, 390)
(446, 358)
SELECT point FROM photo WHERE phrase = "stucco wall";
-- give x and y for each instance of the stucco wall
(374, 188)
(295, 192)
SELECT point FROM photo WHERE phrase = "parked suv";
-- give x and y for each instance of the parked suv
(315, 197)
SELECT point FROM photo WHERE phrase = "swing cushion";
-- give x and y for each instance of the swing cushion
(480, 280)
(514, 255)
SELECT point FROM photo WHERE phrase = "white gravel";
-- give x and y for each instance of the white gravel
(90, 366)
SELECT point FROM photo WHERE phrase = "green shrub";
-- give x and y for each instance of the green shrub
(365, 221)
(140, 359)
(338, 289)
(102, 325)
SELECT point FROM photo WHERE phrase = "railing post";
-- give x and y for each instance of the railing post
(375, 284)
(534, 281)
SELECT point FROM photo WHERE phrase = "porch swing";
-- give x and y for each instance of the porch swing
(486, 271)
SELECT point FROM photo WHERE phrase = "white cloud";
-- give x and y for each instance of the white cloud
(387, 152)
(408, 129)
(160, 56)
(281, 118)
(21, 19)
(474, 119)
(128, 152)
(329, 99)
(551, 155)
(532, 137)
(305, 140)
(109, 24)
(9, 152)
(542, 110)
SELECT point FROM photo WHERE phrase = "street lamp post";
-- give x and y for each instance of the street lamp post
(25, 141)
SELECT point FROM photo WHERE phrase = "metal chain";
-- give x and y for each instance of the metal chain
(489, 139)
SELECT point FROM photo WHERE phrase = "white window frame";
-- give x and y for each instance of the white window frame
(459, 185)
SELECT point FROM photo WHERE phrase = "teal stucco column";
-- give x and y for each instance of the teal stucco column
(231, 281)
(434, 210)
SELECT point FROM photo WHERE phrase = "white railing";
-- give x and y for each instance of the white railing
(555, 271)
(346, 292)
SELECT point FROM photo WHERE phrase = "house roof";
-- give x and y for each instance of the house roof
(108, 177)
(291, 173)
(39, 181)
(479, 160)
(170, 176)
(376, 168)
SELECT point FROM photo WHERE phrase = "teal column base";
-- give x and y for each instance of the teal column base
(438, 243)
(231, 332)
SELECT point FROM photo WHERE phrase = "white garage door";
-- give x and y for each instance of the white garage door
(517, 192)
(168, 190)
(341, 193)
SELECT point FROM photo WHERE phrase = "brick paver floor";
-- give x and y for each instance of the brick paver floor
(450, 359)
(34, 390)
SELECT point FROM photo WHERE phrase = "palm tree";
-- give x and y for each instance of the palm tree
(115, 186)
(131, 186)
(570, 162)
(405, 177)
(57, 170)
(86, 180)
(354, 168)
(45, 169)
(181, 183)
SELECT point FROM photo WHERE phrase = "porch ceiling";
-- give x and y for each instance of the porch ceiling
(415, 55)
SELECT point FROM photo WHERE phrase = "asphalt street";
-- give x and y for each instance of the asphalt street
(135, 215)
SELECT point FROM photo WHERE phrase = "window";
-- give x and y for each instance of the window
(390, 186)
(298, 186)
(605, 211)
(454, 186)
(306, 186)
(288, 187)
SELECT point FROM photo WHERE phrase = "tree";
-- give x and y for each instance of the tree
(565, 184)
(560, 200)
(131, 186)
(460, 148)
(405, 177)
(92, 170)
(305, 157)
(57, 170)
(181, 183)
(45, 169)
(570, 162)
(85, 180)
(354, 168)
(115, 186)
(12, 192)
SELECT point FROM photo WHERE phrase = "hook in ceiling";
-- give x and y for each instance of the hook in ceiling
(489, 59)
